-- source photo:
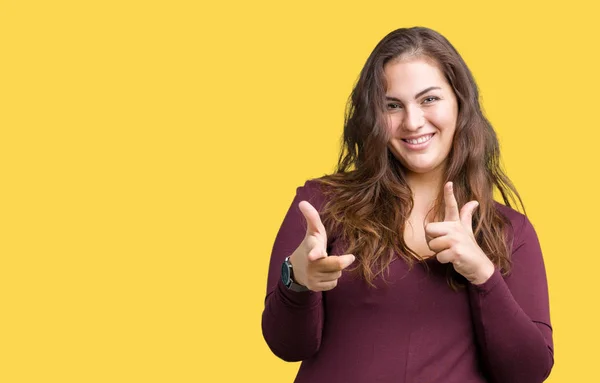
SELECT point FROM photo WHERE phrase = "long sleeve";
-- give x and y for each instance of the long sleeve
(512, 316)
(292, 321)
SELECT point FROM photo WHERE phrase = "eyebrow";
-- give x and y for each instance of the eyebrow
(416, 95)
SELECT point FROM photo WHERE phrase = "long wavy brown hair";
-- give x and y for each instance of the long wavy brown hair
(369, 179)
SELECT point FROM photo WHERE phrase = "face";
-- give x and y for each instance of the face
(422, 111)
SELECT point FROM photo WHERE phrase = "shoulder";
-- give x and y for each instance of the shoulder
(515, 217)
(521, 229)
(314, 184)
(312, 191)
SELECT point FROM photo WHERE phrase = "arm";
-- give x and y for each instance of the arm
(292, 321)
(511, 315)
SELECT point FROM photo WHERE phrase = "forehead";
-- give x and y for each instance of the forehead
(413, 75)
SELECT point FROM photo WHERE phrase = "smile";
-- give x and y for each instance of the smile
(419, 140)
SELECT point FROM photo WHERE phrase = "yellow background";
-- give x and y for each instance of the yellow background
(149, 150)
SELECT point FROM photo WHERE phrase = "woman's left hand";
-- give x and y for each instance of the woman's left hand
(453, 240)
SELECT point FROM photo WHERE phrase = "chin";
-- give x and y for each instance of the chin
(421, 168)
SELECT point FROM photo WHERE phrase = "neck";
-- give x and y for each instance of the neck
(425, 188)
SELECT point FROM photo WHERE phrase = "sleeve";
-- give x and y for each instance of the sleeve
(292, 321)
(512, 316)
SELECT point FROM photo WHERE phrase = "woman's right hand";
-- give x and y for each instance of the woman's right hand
(312, 267)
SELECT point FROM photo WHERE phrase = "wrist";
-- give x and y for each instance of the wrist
(289, 278)
(297, 273)
(485, 274)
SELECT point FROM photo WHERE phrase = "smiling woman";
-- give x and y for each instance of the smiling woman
(422, 126)
(400, 266)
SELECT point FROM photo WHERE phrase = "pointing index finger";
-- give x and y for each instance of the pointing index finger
(452, 213)
(313, 220)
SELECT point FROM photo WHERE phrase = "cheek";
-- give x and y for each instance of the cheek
(443, 118)
(392, 122)
(393, 125)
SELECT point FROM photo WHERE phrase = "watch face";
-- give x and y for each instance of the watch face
(285, 274)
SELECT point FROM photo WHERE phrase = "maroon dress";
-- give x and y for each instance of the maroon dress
(415, 328)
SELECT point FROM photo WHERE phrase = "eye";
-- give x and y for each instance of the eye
(394, 106)
(430, 99)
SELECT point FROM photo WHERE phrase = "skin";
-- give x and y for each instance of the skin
(419, 101)
(452, 240)
(312, 266)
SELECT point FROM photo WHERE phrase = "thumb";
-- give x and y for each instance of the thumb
(466, 215)
(346, 260)
(316, 251)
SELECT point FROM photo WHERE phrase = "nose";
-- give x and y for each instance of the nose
(414, 118)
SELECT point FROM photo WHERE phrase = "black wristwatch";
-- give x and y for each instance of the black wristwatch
(287, 277)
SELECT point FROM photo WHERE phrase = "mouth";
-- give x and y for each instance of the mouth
(418, 143)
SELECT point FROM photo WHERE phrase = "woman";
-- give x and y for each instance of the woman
(429, 279)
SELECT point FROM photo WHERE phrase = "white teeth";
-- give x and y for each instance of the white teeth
(420, 140)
